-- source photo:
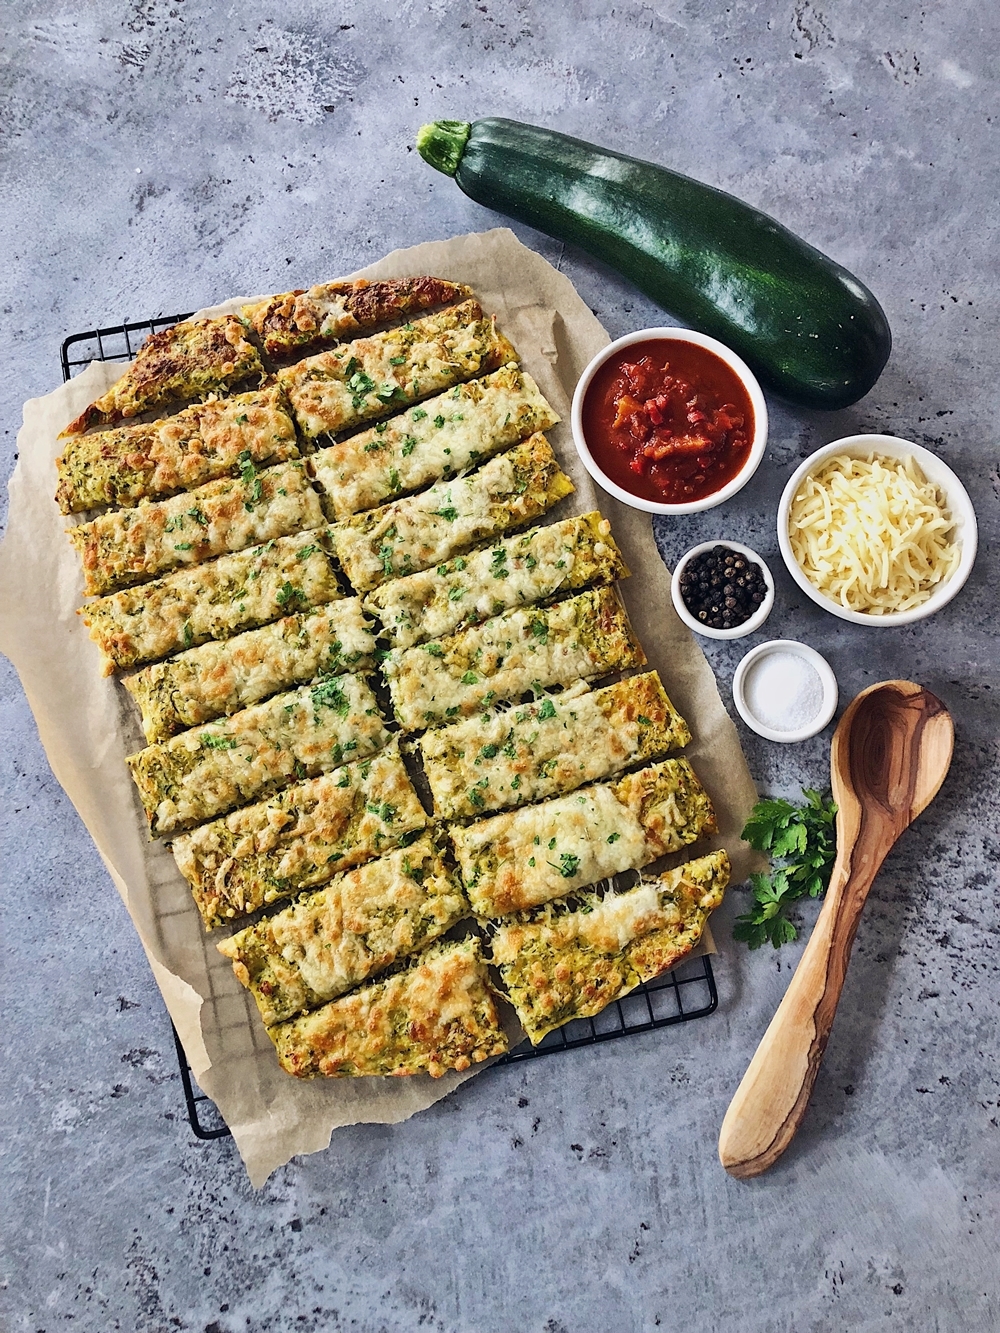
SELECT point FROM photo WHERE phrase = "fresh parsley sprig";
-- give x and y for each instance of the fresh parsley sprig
(803, 839)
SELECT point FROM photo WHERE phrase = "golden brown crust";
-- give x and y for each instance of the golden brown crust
(155, 459)
(299, 838)
(437, 1015)
(522, 858)
(354, 927)
(559, 964)
(301, 322)
(188, 361)
(127, 546)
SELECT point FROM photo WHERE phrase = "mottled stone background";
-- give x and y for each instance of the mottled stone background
(161, 154)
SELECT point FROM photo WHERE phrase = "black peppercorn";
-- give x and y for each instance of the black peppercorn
(721, 588)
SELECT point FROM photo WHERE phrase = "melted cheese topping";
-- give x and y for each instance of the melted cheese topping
(211, 601)
(587, 635)
(560, 964)
(133, 463)
(425, 529)
(359, 924)
(211, 769)
(134, 545)
(299, 838)
(552, 746)
(526, 857)
(532, 567)
(219, 678)
(443, 437)
(374, 376)
(872, 534)
(436, 1016)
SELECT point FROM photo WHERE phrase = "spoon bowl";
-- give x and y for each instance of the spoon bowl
(890, 754)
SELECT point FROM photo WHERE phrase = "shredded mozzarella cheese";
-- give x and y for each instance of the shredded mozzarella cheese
(872, 534)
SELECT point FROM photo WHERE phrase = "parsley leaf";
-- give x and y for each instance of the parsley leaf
(249, 476)
(803, 837)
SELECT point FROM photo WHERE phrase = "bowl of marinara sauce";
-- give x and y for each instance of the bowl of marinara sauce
(669, 421)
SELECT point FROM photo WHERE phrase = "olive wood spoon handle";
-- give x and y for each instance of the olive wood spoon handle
(890, 754)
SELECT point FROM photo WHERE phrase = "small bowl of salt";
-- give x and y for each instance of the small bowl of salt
(785, 691)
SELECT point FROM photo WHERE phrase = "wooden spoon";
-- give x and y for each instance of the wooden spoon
(890, 754)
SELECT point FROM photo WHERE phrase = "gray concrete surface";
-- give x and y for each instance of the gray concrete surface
(160, 154)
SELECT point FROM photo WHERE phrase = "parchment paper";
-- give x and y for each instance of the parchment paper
(87, 725)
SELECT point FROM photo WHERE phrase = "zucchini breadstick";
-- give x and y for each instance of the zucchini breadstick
(215, 600)
(372, 377)
(437, 1015)
(584, 636)
(442, 437)
(301, 322)
(188, 361)
(204, 772)
(420, 531)
(531, 567)
(219, 678)
(526, 857)
(558, 965)
(129, 546)
(299, 838)
(156, 459)
(357, 925)
(533, 751)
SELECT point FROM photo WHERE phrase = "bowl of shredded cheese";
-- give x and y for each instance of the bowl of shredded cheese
(877, 530)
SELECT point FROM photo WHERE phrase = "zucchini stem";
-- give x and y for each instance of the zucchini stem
(442, 143)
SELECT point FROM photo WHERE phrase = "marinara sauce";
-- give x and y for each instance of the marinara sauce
(668, 420)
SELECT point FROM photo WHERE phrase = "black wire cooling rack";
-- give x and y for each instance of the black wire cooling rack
(686, 993)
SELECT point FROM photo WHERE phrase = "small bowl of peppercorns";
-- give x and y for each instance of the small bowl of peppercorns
(722, 590)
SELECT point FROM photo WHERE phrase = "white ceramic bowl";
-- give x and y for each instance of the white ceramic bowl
(823, 669)
(738, 631)
(956, 497)
(734, 362)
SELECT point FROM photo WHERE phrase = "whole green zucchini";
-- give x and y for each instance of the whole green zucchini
(810, 330)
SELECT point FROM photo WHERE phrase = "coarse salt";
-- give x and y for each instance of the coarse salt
(783, 691)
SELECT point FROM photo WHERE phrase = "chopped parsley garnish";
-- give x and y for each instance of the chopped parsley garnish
(287, 594)
(304, 552)
(183, 546)
(539, 630)
(210, 741)
(488, 752)
(397, 361)
(187, 634)
(613, 837)
(456, 593)
(250, 477)
(498, 564)
(470, 678)
(409, 444)
(330, 694)
(384, 811)
(439, 421)
(418, 414)
(449, 512)
(198, 516)
(434, 649)
(568, 866)
(546, 709)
